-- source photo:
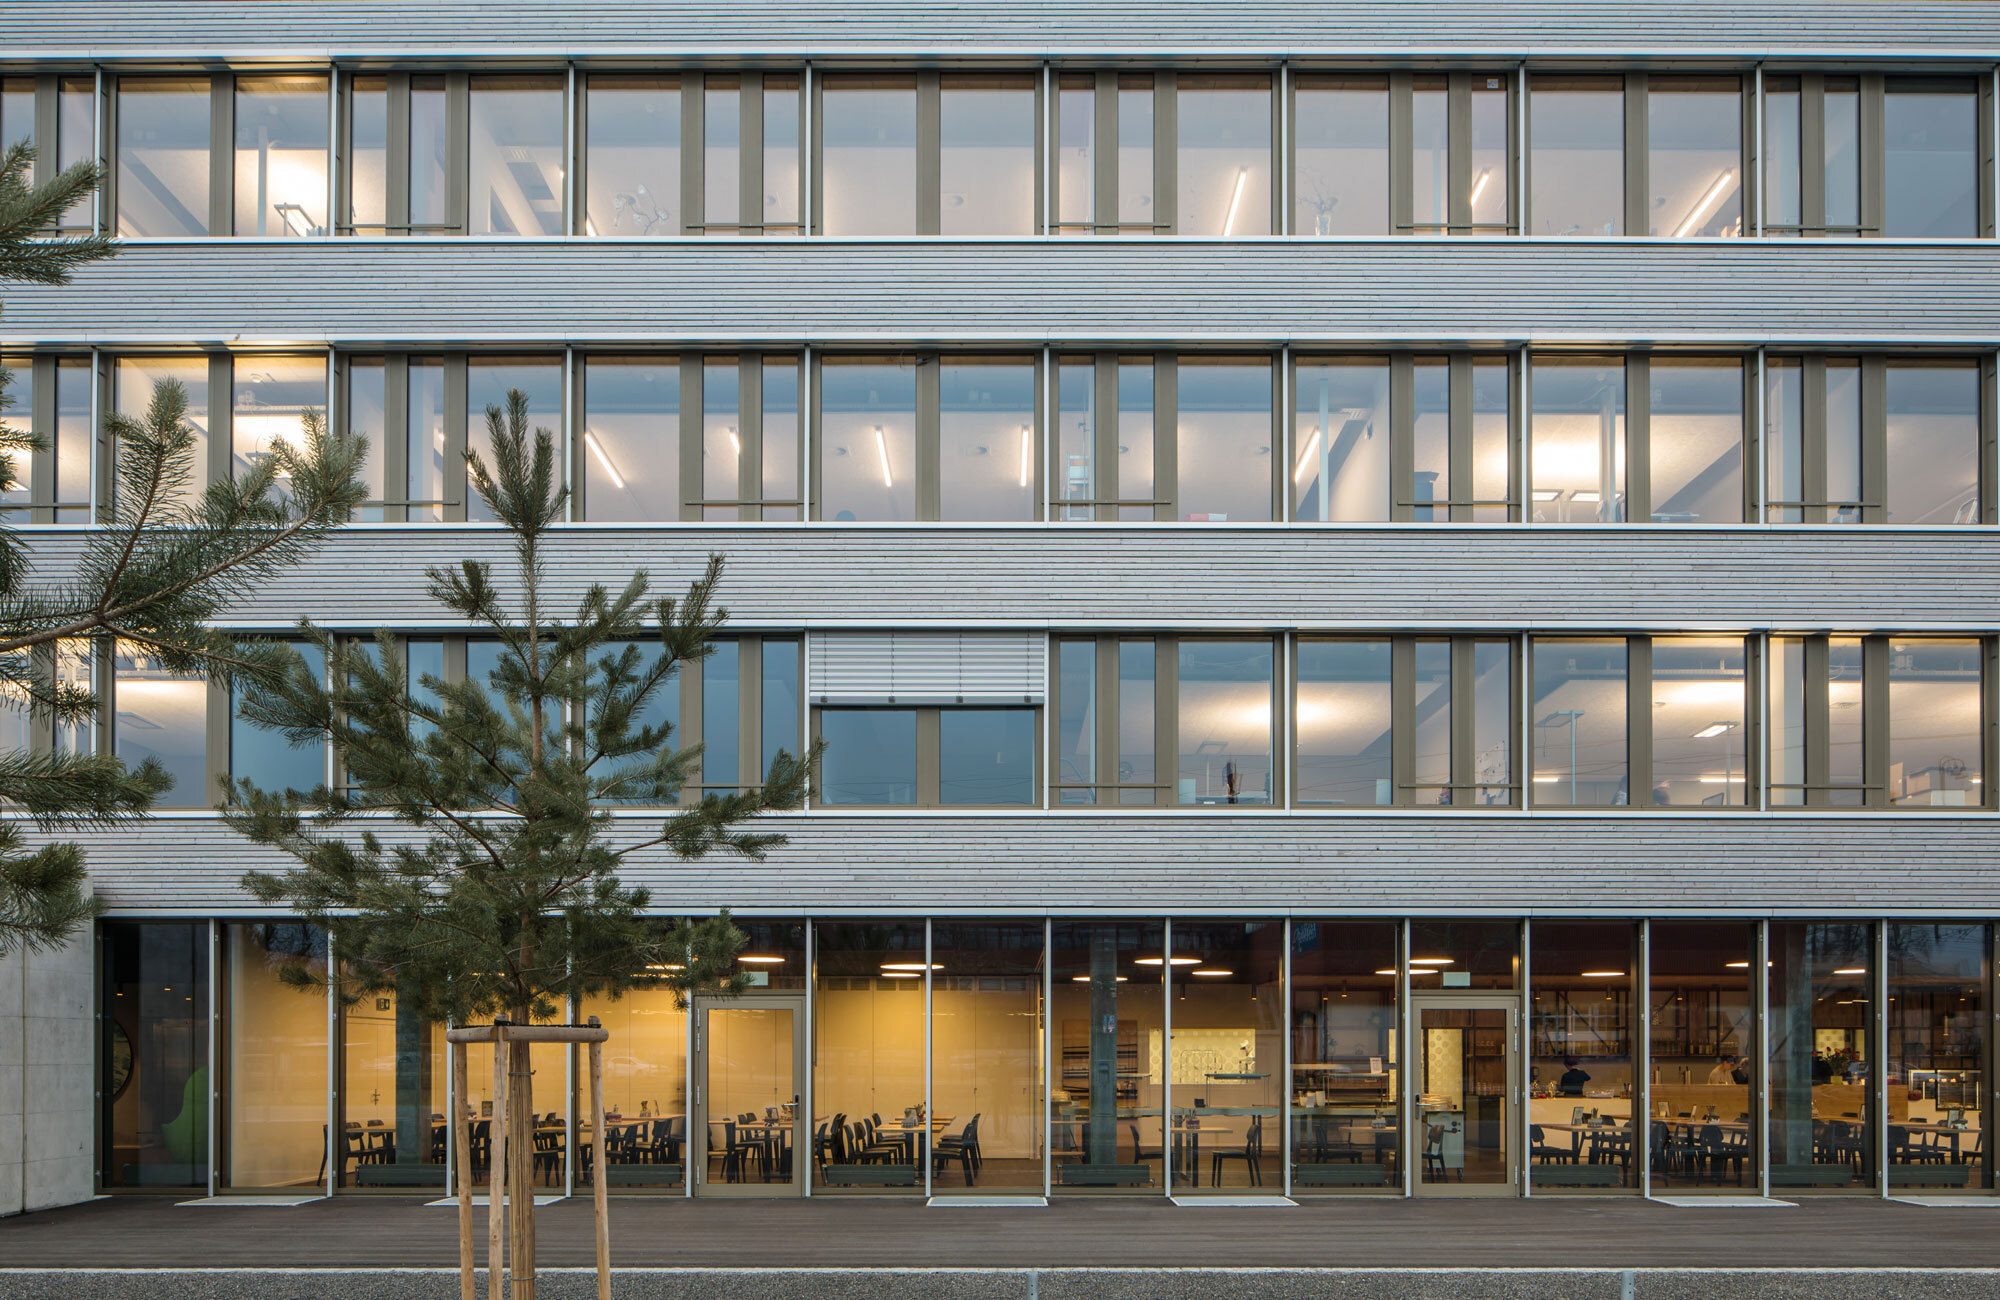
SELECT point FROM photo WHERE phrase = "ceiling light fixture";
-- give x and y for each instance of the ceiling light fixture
(1714, 729)
(1603, 974)
(734, 444)
(907, 965)
(1235, 198)
(1479, 186)
(597, 450)
(1722, 186)
(1027, 454)
(1211, 974)
(1852, 970)
(1085, 979)
(882, 450)
(1306, 457)
(1173, 961)
(1433, 961)
(762, 961)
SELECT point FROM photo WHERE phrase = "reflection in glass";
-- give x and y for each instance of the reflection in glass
(1431, 723)
(162, 716)
(869, 155)
(1935, 689)
(721, 707)
(645, 1090)
(632, 156)
(1489, 154)
(1784, 157)
(986, 757)
(1224, 158)
(272, 396)
(1784, 441)
(986, 1056)
(153, 1081)
(1939, 1097)
(1576, 133)
(1430, 429)
(1787, 720)
(1225, 722)
(1933, 458)
(281, 125)
(1492, 439)
(1577, 440)
(1225, 438)
(1842, 111)
(1076, 154)
(781, 155)
(986, 160)
(367, 161)
(1704, 1042)
(1583, 1080)
(1699, 740)
(1930, 138)
(1341, 462)
(1486, 953)
(274, 1092)
(163, 144)
(780, 701)
(1493, 695)
(1847, 721)
(721, 444)
(1696, 440)
(489, 381)
(867, 440)
(1818, 1030)
(868, 1058)
(1344, 1085)
(1343, 723)
(1138, 483)
(781, 418)
(430, 156)
(76, 141)
(268, 757)
(1579, 720)
(631, 439)
(662, 709)
(1226, 1055)
(1108, 1091)
(1463, 1086)
(136, 378)
(1843, 441)
(516, 156)
(1340, 181)
(986, 429)
(1076, 487)
(871, 756)
(1695, 156)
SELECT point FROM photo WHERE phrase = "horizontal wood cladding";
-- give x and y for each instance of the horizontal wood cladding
(1446, 576)
(448, 27)
(1238, 866)
(238, 293)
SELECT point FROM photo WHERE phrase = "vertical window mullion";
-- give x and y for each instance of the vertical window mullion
(221, 436)
(1458, 440)
(1166, 154)
(750, 421)
(41, 466)
(1104, 153)
(930, 183)
(1458, 155)
(1874, 440)
(1812, 154)
(1989, 728)
(693, 486)
(458, 152)
(750, 161)
(1464, 769)
(1817, 722)
(1989, 438)
(694, 139)
(928, 793)
(1104, 768)
(1812, 430)
(1402, 200)
(1639, 721)
(930, 490)
(222, 154)
(1638, 143)
(1166, 720)
(454, 481)
(1104, 437)
(576, 449)
(1517, 434)
(1166, 438)
(1402, 721)
(1752, 170)
(1875, 720)
(396, 157)
(1874, 200)
(1402, 440)
(1638, 441)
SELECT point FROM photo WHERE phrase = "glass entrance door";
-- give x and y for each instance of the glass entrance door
(1466, 1080)
(746, 1131)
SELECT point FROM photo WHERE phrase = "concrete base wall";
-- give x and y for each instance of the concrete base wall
(47, 1078)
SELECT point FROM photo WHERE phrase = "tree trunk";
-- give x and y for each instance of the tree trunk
(521, 1164)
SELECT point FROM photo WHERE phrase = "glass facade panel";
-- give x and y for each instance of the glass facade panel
(632, 156)
(1577, 440)
(645, 1091)
(17, 406)
(868, 1058)
(1430, 724)
(1940, 1013)
(1490, 112)
(1492, 440)
(1108, 1091)
(281, 156)
(392, 1093)
(516, 156)
(134, 383)
(163, 147)
(1704, 1047)
(1341, 465)
(1493, 696)
(1784, 160)
(1699, 706)
(1075, 778)
(1345, 1075)
(868, 155)
(1430, 429)
(488, 383)
(1138, 714)
(162, 716)
(268, 757)
(1580, 723)
(153, 1082)
(1935, 690)
(1843, 442)
(986, 757)
(270, 401)
(1821, 1056)
(1340, 182)
(986, 430)
(631, 439)
(781, 702)
(1138, 484)
(1583, 1072)
(430, 167)
(986, 160)
(1576, 156)
(1225, 436)
(871, 756)
(1464, 954)
(867, 441)
(1136, 212)
(1787, 721)
(1930, 138)
(424, 437)
(1430, 150)
(721, 443)
(1842, 109)
(1224, 157)
(1226, 1055)
(722, 155)
(1696, 440)
(1075, 486)
(274, 1095)
(721, 710)
(367, 162)
(782, 123)
(1344, 733)
(1784, 441)
(1225, 723)
(987, 1056)
(1933, 454)
(662, 709)
(1076, 155)
(1847, 722)
(782, 423)
(1695, 156)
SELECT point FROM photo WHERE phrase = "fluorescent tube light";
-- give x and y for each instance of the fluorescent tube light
(882, 450)
(1479, 186)
(1235, 198)
(1306, 457)
(1722, 186)
(597, 450)
(1713, 729)
(1027, 454)
(735, 444)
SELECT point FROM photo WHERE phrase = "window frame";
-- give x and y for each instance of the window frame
(929, 753)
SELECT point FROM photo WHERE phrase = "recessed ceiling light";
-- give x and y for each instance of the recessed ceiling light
(1433, 961)
(762, 960)
(907, 965)
(1157, 961)
(1085, 979)
(1603, 974)
(1210, 973)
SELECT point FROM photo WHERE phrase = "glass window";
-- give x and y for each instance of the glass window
(1577, 439)
(721, 444)
(1933, 432)
(272, 397)
(1493, 695)
(1842, 108)
(1108, 1091)
(722, 155)
(1787, 722)
(986, 757)
(986, 162)
(868, 155)
(367, 130)
(1784, 162)
(1224, 156)
(154, 1084)
(1076, 154)
(986, 457)
(1344, 732)
(1704, 1041)
(868, 440)
(632, 157)
(1076, 487)
(17, 110)
(1695, 440)
(1430, 154)
(76, 141)
(163, 144)
(1847, 725)
(1930, 136)
(70, 441)
(1075, 778)
(781, 155)
(868, 1054)
(1580, 722)
(631, 439)
(1784, 441)
(781, 439)
(517, 156)
(1225, 435)
(1430, 429)
(1341, 469)
(1345, 1076)
(645, 1088)
(1137, 214)
(430, 153)
(1939, 1098)
(1492, 439)
(136, 380)
(1464, 954)
(986, 1056)
(1698, 722)
(780, 712)
(1138, 453)
(424, 436)
(1694, 165)
(1138, 719)
(1488, 197)
(662, 709)
(392, 1095)
(1843, 442)
(1821, 1053)
(1430, 723)
(1226, 1055)
(489, 380)
(281, 125)
(17, 407)
(1225, 722)
(268, 757)
(871, 756)
(721, 710)
(1576, 161)
(1340, 182)
(1935, 689)
(1583, 1074)
(275, 1059)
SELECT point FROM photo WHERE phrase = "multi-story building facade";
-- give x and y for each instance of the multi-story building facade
(1398, 609)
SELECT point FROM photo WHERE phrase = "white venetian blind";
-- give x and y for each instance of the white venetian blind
(928, 667)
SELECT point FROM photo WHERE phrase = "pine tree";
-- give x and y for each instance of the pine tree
(28, 212)
(501, 892)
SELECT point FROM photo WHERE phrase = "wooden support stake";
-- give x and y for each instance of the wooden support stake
(600, 1175)
(496, 1165)
(462, 1132)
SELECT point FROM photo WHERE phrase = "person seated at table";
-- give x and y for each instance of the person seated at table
(1573, 1079)
(1724, 1071)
